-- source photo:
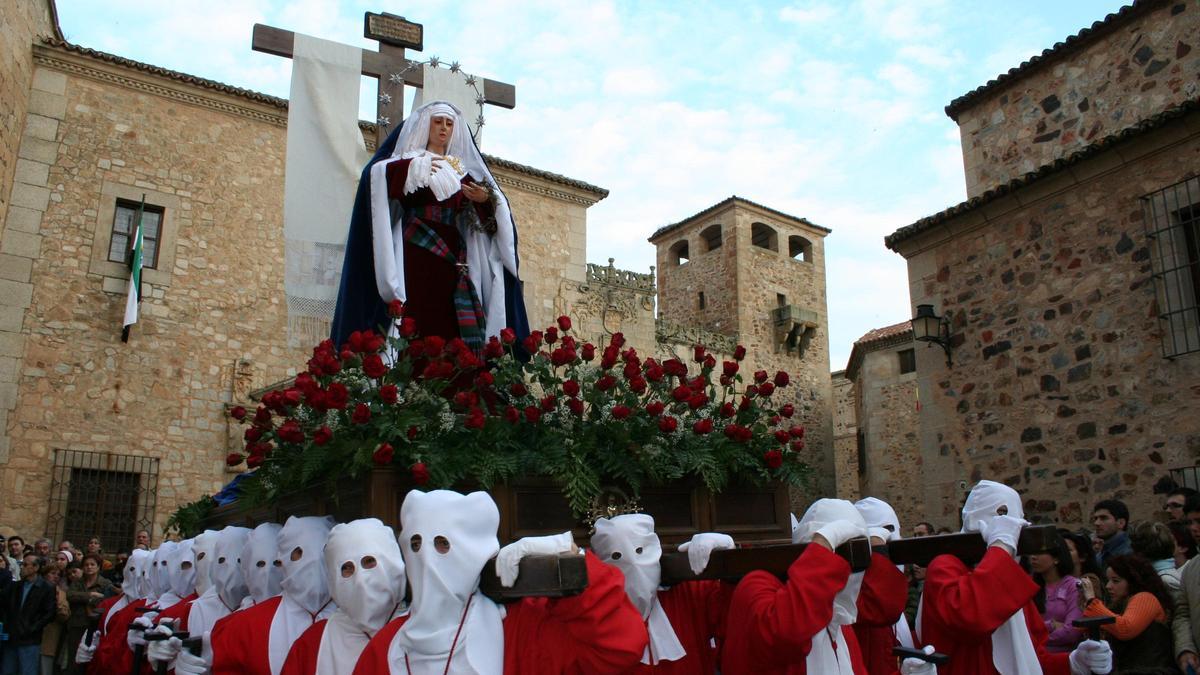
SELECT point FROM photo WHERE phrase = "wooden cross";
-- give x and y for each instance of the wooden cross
(388, 65)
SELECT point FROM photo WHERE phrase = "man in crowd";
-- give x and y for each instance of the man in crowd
(1185, 621)
(41, 548)
(1176, 499)
(922, 529)
(26, 608)
(1110, 517)
(142, 540)
(16, 547)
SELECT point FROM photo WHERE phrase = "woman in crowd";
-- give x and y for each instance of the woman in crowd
(1185, 544)
(1058, 598)
(94, 547)
(1083, 563)
(1141, 637)
(64, 559)
(52, 635)
(83, 596)
(1153, 541)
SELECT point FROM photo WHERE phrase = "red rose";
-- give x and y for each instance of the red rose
(797, 445)
(518, 389)
(347, 354)
(782, 379)
(796, 432)
(655, 373)
(562, 356)
(361, 414)
(588, 352)
(252, 434)
(752, 391)
(617, 340)
(474, 419)
(389, 394)
(262, 417)
(698, 353)
(675, 367)
(668, 424)
(408, 327)
(233, 459)
(638, 384)
(760, 376)
(773, 459)
(383, 454)
(238, 413)
(681, 393)
(702, 427)
(782, 436)
(532, 414)
(549, 402)
(787, 410)
(255, 461)
(575, 406)
(632, 369)
(395, 309)
(710, 361)
(508, 336)
(290, 432)
(727, 410)
(412, 433)
(570, 388)
(493, 349)
(512, 414)
(322, 435)
(609, 359)
(551, 335)
(463, 399)
(775, 420)
(606, 382)
(766, 389)
(739, 353)
(729, 368)
(621, 412)
(564, 323)
(655, 408)
(484, 380)
(698, 401)
(569, 342)
(434, 345)
(420, 473)
(337, 396)
(373, 365)
(305, 383)
(746, 403)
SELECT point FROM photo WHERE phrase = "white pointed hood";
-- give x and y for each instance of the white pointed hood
(183, 569)
(203, 547)
(304, 580)
(258, 558)
(226, 570)
(827, 644)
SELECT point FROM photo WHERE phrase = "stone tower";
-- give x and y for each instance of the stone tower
(757, 275)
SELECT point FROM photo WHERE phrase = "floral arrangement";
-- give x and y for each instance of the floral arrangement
(584, 414)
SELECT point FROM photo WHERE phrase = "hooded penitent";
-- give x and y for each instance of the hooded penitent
(259, 570)
(183, 569)
(304, 585)
(160, 577)
(146, 577)
(879, 514)
(823, 657)
(629, 543)
(202, 550)
(446, 539)
(226, 568)
(130, 584)
(366, 580)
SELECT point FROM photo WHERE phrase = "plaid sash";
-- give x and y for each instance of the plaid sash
(467, 308)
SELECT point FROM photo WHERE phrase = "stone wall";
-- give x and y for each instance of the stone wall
(886, 411)
(707, 271)
(1150, 62)
(845, 437)
(23, 21)
(1059, 385)
(213, 314)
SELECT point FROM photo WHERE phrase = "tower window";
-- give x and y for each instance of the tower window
(711, 236)
(764, 236)
(908, 361)
(678, 252)
(700, 302)
(800, 248)
(780, 300)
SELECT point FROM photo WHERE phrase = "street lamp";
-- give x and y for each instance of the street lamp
(927, 326)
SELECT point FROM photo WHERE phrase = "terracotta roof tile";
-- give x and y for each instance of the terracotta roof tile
(875, 338)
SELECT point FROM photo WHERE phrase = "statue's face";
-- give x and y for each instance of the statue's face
(440, 130)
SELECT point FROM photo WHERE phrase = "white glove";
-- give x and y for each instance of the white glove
(164, 650)
(87, 650)
(912, 666)
(701, 547)
(881, 533)
(841, 531)
(133, 637)
(1002, 530)
(1091, 656)
(509, 559)
(190, 664)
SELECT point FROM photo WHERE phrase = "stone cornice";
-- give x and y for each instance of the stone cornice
(510, 178)
(152, 83)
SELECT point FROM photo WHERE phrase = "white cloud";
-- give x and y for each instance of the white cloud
(810, 14)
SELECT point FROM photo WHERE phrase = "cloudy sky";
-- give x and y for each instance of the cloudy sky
(827, 110)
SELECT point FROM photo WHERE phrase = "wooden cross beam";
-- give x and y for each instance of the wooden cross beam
(388, 65)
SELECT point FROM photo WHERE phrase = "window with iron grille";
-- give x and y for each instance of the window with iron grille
(1172, 217)
(101, 494)
(120, 247)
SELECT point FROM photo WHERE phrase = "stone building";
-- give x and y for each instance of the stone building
(1070, 276)
(845, 438)
(883, 407)
(755, 274)
(104, 436)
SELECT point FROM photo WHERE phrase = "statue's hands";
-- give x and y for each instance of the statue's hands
(475, 193)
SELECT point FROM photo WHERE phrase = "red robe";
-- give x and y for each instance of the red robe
(178, 612)
(696, 610)
(771, 624)
(240, 641)
(113, 655)
(302, 657)
(963, 607)
(597, 631)
(880, 605)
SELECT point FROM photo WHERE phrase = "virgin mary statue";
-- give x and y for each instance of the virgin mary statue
(431, 228)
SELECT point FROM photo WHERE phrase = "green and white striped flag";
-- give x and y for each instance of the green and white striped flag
(135, 275)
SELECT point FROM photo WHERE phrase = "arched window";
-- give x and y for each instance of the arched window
(764, 236)
(678, 253)
(800, 248)
(711, 236)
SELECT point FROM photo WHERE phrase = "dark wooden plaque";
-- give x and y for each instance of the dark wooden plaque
(549, 576)
(968, 547)
(733, 564)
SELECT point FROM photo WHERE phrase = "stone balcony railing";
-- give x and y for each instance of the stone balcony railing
(610, 275)
(670, 332)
